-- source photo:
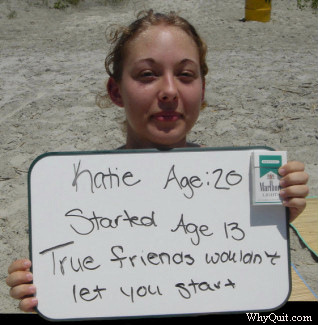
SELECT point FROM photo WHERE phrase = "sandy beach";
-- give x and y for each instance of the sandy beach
(261, 90)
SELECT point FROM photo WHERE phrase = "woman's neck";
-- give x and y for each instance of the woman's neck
(133, 144)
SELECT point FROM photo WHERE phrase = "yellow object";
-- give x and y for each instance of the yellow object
(307, 224)
(258, 10)
(307, 227)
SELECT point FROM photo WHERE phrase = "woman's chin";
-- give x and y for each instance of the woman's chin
(169, 138)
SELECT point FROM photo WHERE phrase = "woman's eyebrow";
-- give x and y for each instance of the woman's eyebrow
(146, 60)
(186, 60)
(153, 61)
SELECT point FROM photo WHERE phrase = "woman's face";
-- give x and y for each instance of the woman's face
(161, 87)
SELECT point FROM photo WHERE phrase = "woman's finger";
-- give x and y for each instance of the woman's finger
(290, 167)
(295, 191)
(19, 277)
(22, 291)
(28, 304)
(296, 207)
(296, 178)
(19, 265)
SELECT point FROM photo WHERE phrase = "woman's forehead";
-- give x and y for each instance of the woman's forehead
(162, 40)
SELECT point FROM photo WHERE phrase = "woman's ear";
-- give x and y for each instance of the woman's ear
(113, 92)
(203, 102)
(203, 90)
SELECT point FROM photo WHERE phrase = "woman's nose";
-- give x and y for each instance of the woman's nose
(169, 90)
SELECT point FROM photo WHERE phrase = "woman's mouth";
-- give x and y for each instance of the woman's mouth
(167, 116)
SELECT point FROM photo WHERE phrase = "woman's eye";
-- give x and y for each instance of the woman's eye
(186, 76)
(147, 74)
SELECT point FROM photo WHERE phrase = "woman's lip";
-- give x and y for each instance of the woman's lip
(167, 116)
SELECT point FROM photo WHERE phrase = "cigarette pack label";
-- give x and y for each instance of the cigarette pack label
(266, 177)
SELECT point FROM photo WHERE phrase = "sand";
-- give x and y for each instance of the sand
(261, 90)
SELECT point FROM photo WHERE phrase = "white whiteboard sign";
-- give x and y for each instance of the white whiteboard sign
(125, 234)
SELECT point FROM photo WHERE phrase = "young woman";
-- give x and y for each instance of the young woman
(157, 72)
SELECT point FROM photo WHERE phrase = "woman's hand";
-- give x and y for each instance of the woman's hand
(19, 279)
(294, 189)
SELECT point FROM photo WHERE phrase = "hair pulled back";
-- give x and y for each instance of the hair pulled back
(120, 37)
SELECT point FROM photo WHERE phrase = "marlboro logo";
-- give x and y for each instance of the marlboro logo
(269, 164)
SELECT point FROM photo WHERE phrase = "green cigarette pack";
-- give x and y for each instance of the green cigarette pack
(265, 177)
